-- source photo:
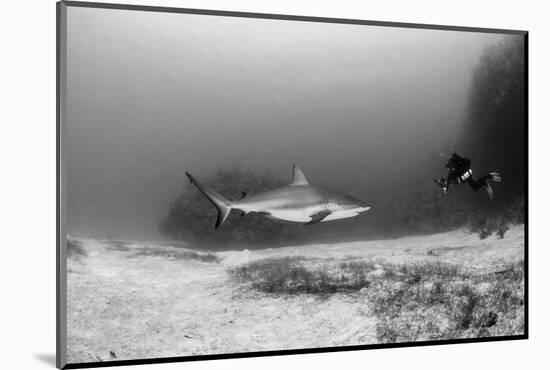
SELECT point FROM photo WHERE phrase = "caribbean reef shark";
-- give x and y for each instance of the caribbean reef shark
(298, 202)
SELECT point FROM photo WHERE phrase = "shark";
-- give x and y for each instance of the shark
(300, 202)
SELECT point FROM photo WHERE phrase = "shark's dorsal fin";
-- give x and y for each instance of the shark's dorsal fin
(298, 177)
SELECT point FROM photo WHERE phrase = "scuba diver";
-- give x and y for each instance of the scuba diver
(459, 171)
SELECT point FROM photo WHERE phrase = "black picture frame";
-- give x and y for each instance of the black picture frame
(61, 199)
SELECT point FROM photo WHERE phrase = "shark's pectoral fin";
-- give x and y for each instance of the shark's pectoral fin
(318, 217)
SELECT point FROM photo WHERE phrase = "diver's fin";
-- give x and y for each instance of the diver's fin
(318, 217)
(222, 204)
(495, 176)
(489, 190)
(298, 177)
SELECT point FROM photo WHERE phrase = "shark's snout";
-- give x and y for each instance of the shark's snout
(361, 206)
(354, 205)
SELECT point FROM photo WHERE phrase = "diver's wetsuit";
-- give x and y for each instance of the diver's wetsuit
(460, 171)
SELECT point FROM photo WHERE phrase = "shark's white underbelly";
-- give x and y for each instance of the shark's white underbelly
(305, 215)
(291, 215)
(340, 215)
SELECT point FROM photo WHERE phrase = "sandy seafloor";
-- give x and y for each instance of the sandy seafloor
(125, 302)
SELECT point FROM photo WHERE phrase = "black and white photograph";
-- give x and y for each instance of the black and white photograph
(241, 184)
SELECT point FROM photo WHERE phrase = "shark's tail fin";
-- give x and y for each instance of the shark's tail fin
(223, 205)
